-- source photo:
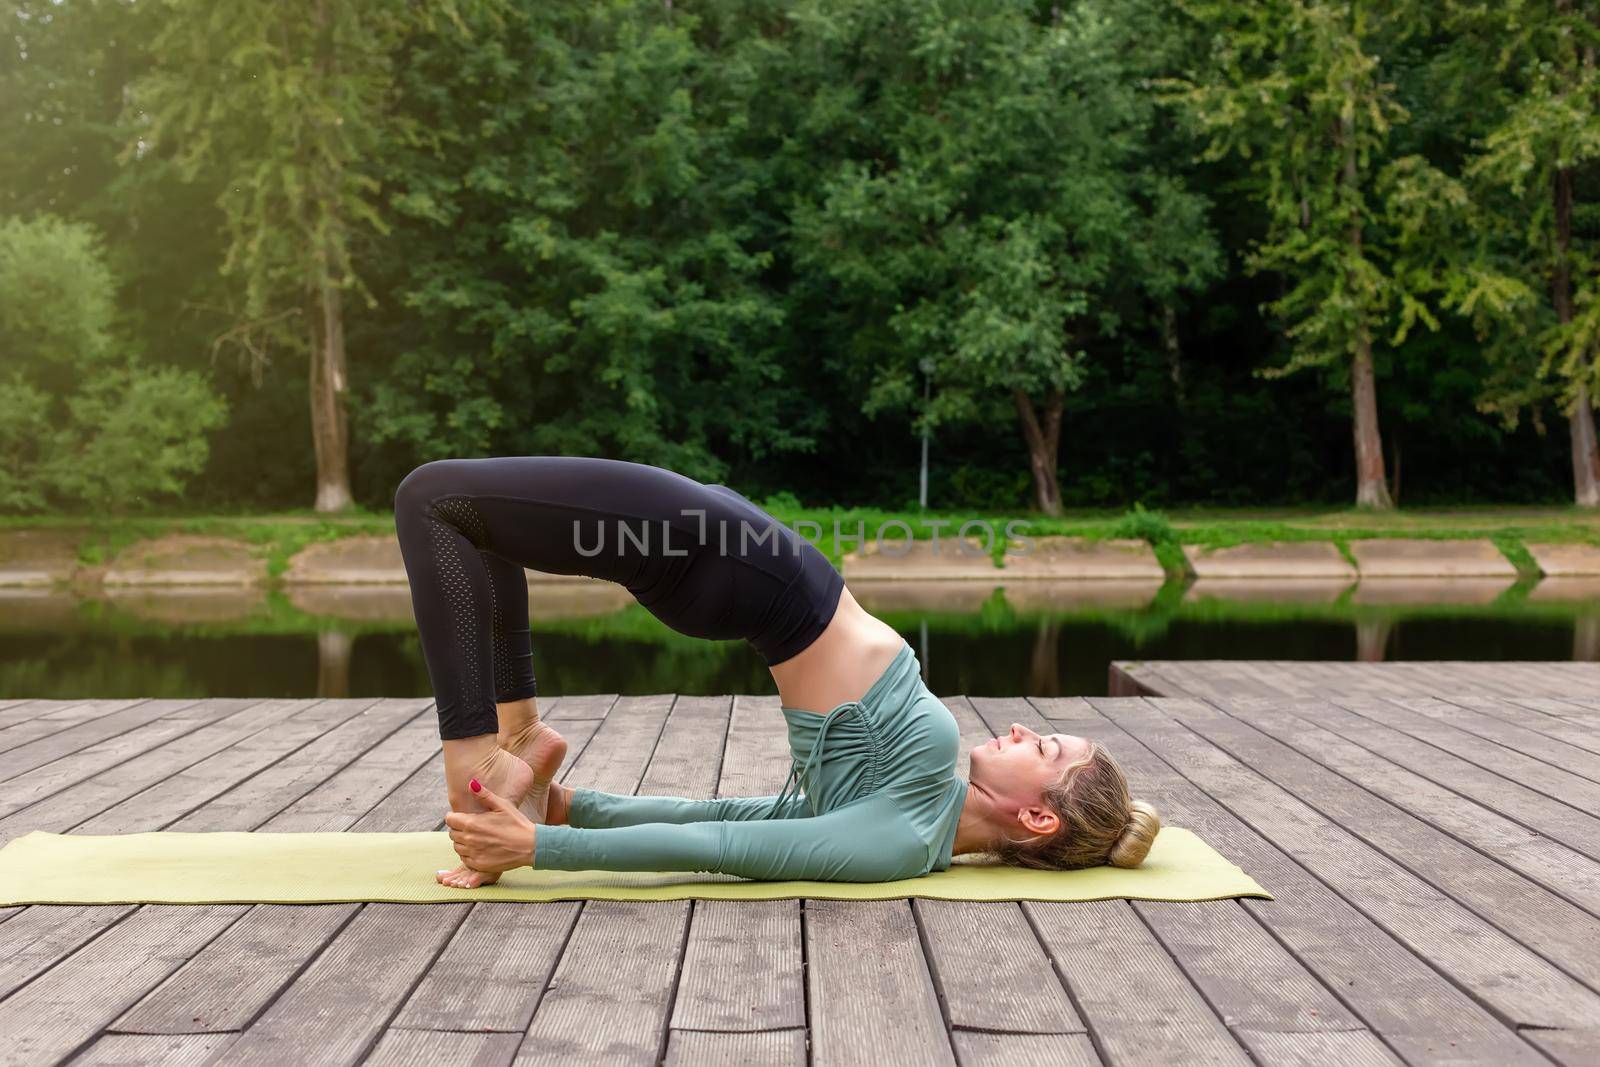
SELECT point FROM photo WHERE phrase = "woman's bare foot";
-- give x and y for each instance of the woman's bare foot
(464, 877)
(538, 745)
(480, 758)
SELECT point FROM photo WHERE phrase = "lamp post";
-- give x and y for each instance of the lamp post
(926, 366)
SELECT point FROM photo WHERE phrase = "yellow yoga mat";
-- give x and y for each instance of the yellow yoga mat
(292, 868)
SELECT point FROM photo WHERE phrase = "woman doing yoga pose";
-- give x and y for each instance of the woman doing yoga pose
(874, 751)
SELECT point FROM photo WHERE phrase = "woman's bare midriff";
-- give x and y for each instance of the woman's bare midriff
(841, 664)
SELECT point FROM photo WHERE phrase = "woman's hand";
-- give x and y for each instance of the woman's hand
(493, 841)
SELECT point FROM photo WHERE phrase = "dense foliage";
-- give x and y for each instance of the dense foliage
(255, 254)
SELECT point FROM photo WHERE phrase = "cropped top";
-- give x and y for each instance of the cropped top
(880, 801)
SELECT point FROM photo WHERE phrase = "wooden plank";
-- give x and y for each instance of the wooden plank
(231, 981)
(1567, 710)
(583, 706)
(493, 972)
(282, 783)
(142, 808)
(1572, 826)
(116, 785)
(1144, 677)
(238, 976)
(1413, 678)
(111, 971)
(1123, 679)
(1319, 1048)
(736, 1048)
(622, 961)
(169, 1050)
(742, 964)
(1551, 864)
(1511, 678)
(979, 1049)
(1568, 1046)
(40, 718)
(1584, 735)
(1471, 715)
(619, 966)
(40, 935)
(1523, 986)
(190, 788)
(352, 790)
(1365, 972)
(67, 771)
(1404, 715)
(1551, 926)
(336, 1009)
(63, 1009)
(747, 1048)
(868, 980)
(1467, 678)
(1140, 1005)
(406, 1048)
(65, 740)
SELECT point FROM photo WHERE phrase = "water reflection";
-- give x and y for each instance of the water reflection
(1041, 638)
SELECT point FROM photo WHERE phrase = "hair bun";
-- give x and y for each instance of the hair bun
(1138, 834)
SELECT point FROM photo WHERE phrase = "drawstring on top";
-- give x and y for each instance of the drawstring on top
(796, 769)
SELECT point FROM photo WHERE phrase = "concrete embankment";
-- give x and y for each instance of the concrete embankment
(49, 557)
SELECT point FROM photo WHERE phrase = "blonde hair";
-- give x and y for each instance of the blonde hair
(1099, 822)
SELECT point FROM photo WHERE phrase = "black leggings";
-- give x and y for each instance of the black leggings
(701, 558)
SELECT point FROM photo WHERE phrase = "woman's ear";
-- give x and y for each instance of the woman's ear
(1039, 820)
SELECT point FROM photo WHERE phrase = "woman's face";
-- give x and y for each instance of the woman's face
(1017, 766)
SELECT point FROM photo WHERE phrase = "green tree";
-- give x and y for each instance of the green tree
(588, 248)
(1299, 89)
(984, 208)
(286, 101)
(80, 421)
(1533, 276)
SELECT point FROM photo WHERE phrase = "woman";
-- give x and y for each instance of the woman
(874, 752)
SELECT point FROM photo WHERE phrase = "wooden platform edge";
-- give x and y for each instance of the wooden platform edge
(1120, 683)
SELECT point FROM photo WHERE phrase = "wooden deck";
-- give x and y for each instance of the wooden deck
(1436, 862)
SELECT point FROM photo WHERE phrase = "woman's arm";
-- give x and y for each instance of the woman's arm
(595, 809)
(866, 841)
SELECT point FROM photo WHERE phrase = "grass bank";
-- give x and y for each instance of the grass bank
(835, 531)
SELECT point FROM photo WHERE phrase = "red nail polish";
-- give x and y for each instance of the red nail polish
(476, 788)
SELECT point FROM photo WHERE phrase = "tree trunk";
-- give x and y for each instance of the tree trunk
(1372, 490)
(1169, 340)
(1044, 444)
(1580, 421)
(1372, 639)
(329, 432)
(329, 429)
(1044, 662)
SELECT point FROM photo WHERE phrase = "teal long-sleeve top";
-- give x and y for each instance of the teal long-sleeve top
(881, 800)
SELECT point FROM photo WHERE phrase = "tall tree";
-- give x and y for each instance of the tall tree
(980, 198)
(1536, 291)
(1298, 87)
(596, 232)
(287, 100)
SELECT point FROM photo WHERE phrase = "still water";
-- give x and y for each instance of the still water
(1033, 639)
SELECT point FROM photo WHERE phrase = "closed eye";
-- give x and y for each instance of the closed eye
(1040, 743)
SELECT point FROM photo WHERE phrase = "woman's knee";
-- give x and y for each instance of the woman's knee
(425, 483)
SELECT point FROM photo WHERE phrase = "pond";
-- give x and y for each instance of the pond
(1030, 638)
